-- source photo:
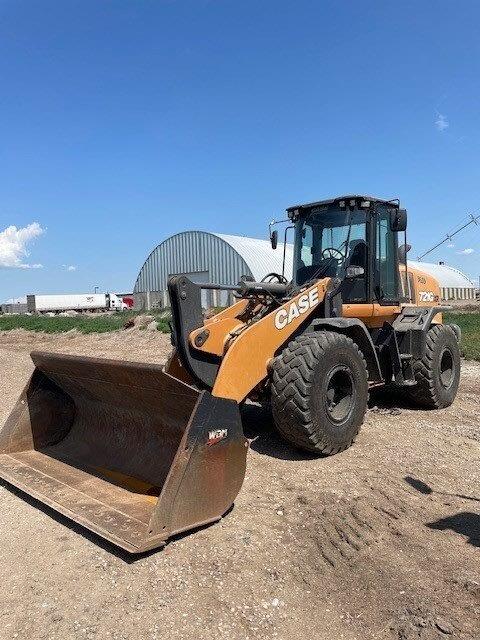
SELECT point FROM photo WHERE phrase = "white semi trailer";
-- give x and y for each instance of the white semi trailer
(75, 302)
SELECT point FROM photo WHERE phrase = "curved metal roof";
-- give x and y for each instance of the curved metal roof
(213, 257)
(447, 277)
(259, 255)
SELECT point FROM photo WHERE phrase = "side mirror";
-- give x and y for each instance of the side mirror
(398, 219)
(402, 252)
(274, 239)
(354, 272)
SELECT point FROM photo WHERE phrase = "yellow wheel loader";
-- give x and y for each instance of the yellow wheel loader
(138, 452)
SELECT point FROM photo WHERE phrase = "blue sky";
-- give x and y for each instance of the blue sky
(122, 122)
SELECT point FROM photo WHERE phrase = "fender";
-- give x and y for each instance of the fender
(412, 326)
(355, 329)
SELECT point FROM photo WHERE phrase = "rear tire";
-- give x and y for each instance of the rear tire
(438, 372)
(320, 392)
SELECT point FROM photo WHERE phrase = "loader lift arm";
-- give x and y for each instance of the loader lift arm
(189, 334)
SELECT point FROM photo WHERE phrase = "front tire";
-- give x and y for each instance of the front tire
(320, 392)
(438, 372)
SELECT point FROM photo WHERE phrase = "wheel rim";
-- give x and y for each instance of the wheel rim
(340, 394)
(446, 368)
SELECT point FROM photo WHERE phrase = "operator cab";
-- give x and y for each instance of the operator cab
(353, 238)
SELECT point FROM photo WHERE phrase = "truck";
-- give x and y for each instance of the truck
(75, 302)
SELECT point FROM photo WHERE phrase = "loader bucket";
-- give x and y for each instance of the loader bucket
(124, 449)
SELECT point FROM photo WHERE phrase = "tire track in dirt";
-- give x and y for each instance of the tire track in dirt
(359, 541)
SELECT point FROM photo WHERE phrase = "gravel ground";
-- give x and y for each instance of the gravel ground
(381, 541)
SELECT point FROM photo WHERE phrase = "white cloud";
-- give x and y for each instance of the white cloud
(450, 246)
(14, 243)
(69, 267)
(441, 122)
(466, 252)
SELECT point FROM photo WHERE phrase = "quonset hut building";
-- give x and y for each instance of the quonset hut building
(224, 259)
(454, 285)
(206, 257)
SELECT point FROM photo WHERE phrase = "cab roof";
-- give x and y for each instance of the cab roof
(310, 205)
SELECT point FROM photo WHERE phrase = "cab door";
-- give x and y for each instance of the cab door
(386, 273)
(385, 270)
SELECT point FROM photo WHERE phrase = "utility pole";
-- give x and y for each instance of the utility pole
(96, 288)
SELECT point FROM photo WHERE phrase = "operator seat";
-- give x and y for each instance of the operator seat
(357, 254)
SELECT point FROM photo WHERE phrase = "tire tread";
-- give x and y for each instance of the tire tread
(292, 379)
(424, 393)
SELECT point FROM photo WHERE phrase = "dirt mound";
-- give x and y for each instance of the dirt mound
(145, 346)
(141, 322)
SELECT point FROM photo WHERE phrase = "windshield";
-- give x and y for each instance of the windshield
(327, 242)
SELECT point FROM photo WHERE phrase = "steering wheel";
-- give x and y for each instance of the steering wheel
(272, 277)
(330, 253)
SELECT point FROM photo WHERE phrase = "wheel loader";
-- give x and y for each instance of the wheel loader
(138, 452)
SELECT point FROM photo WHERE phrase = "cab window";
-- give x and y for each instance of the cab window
(386, 257)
